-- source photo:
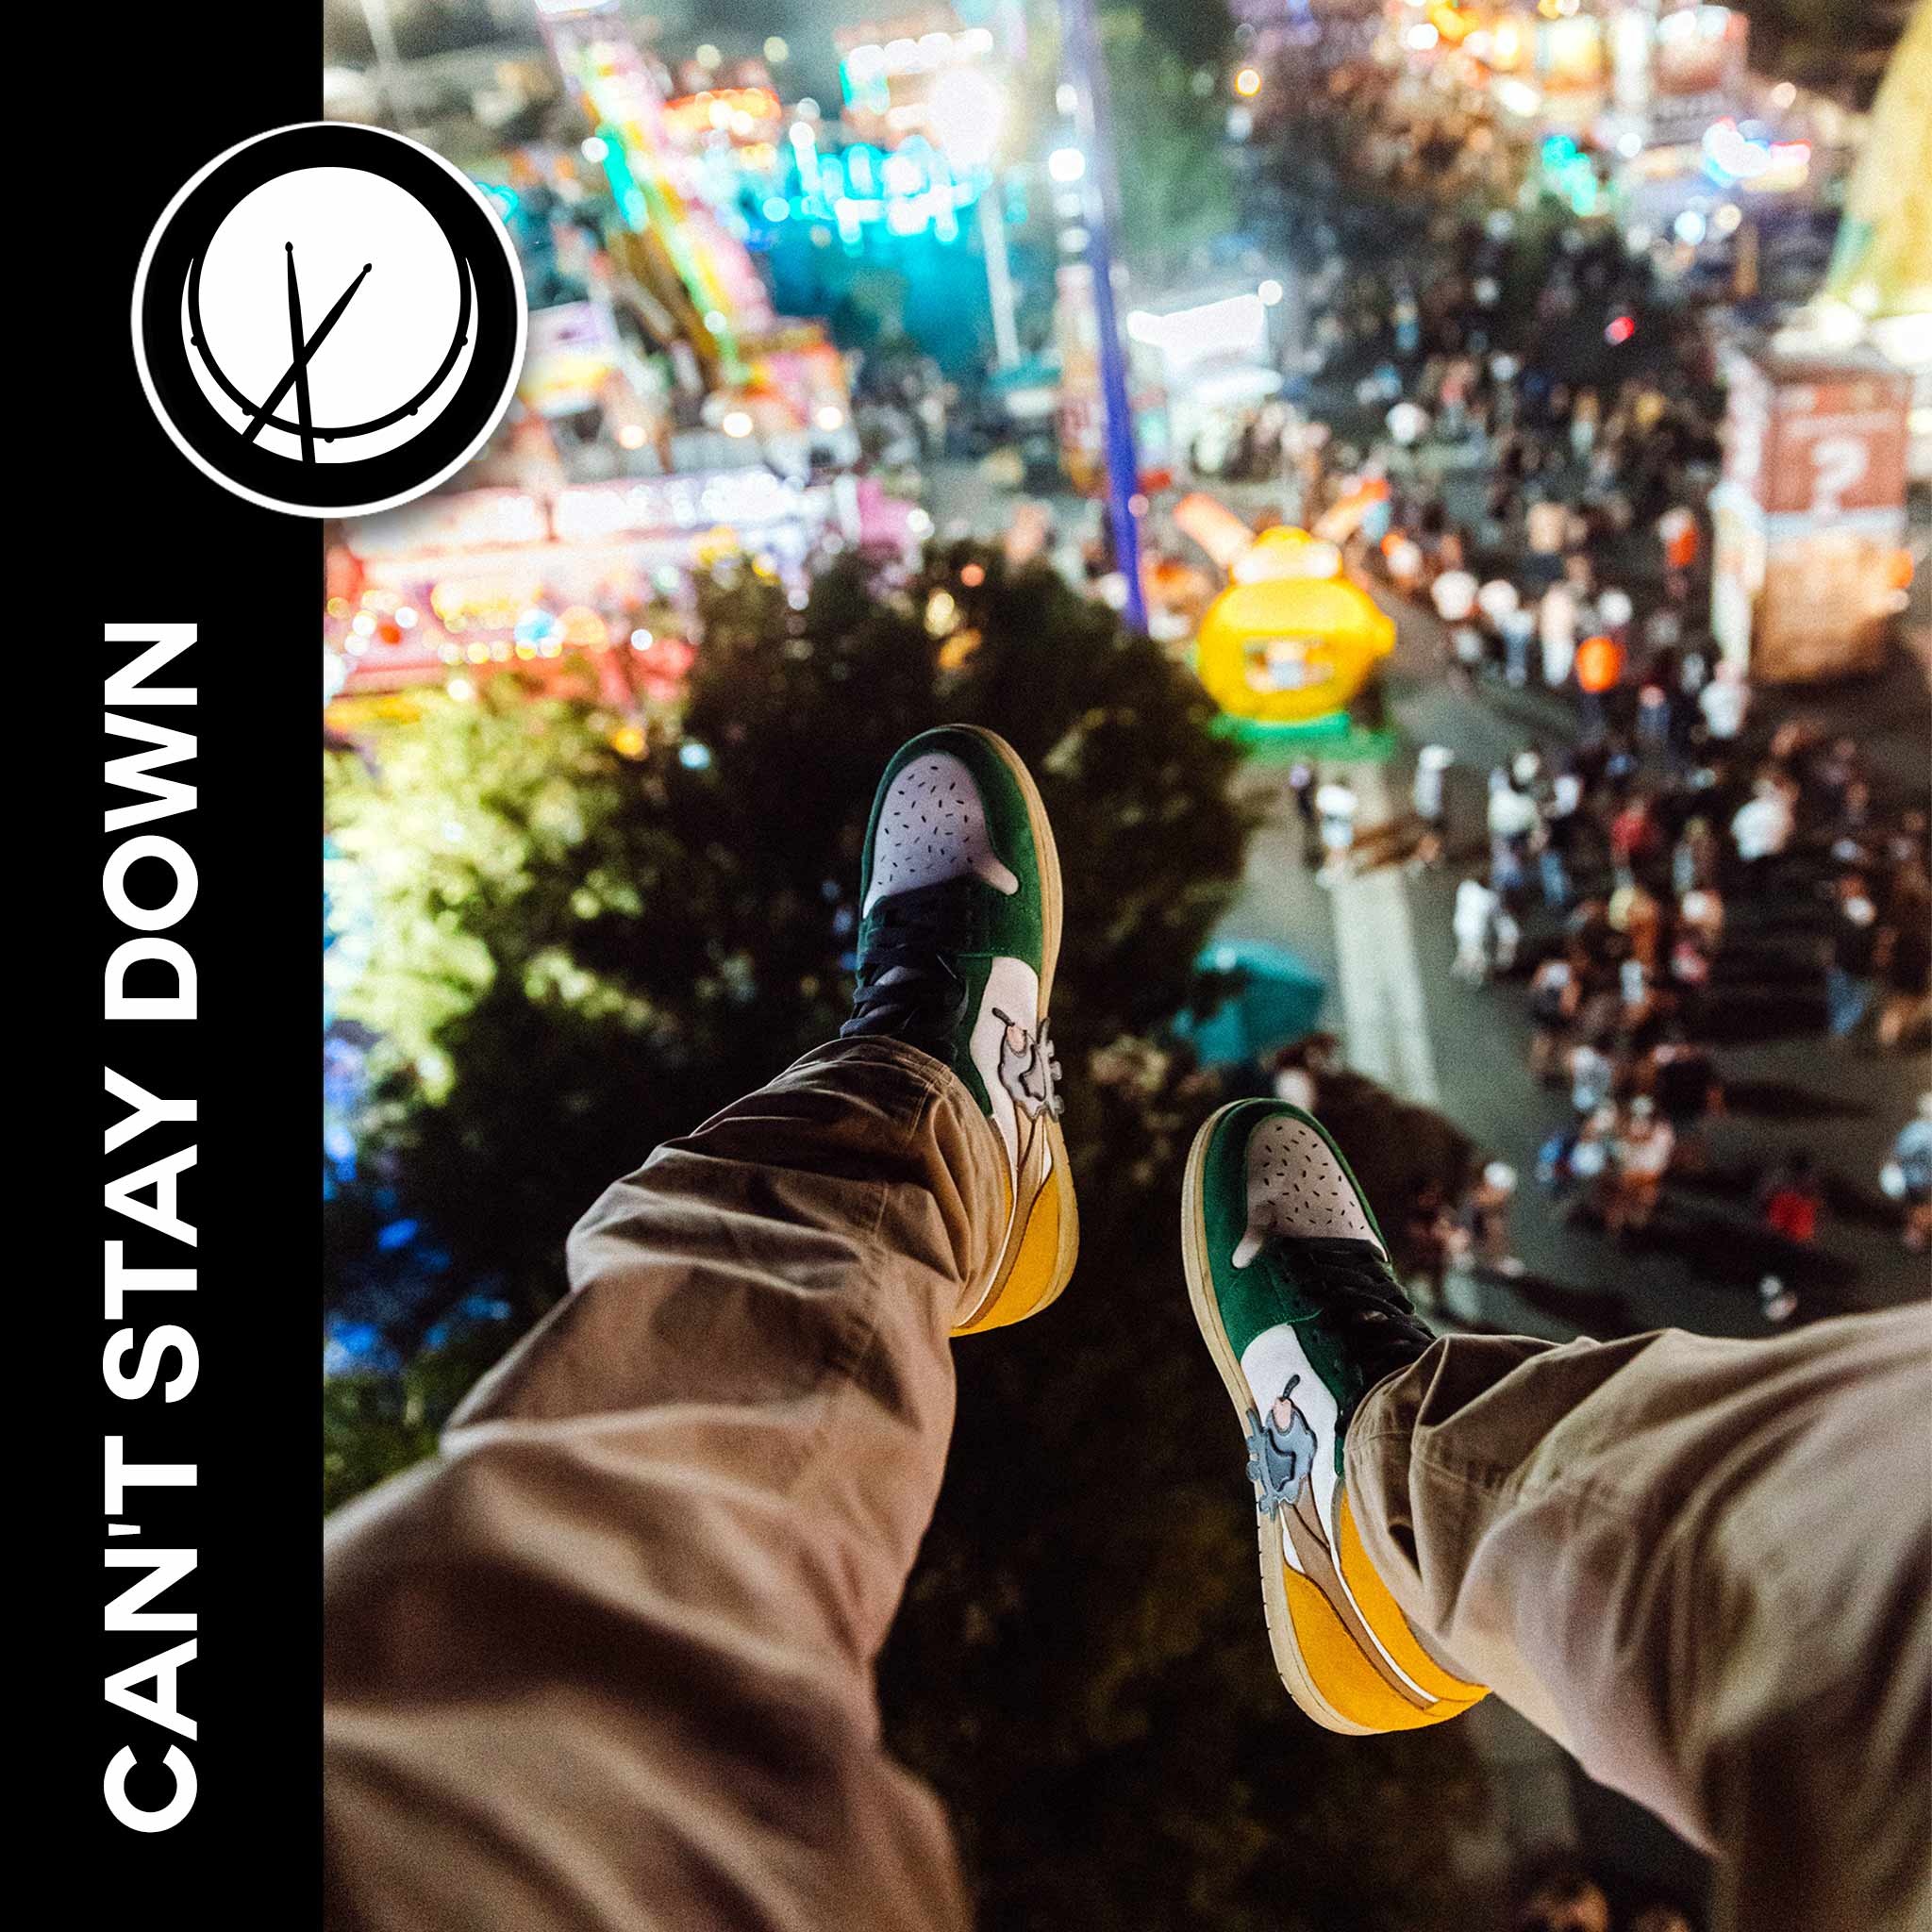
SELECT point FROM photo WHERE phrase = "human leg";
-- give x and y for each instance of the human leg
(606, 1662)
(1700, 1564)
(1289, 1279)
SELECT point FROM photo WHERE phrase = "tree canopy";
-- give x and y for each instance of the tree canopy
(1177, 187)
(572, 934)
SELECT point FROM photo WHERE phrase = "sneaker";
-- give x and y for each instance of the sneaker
(959, 929)
(1290, 1283)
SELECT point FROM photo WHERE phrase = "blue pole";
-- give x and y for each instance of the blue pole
(1094, 120)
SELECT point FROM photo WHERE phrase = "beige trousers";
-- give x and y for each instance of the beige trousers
(605, 1662)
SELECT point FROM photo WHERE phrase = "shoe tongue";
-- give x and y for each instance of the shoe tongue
(1260, 1236)
(1297, 1264)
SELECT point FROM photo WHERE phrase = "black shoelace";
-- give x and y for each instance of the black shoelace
(907, 984)
(1361, 1303)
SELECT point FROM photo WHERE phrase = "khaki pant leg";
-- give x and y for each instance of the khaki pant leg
(607, 1660)
(1706, 1567)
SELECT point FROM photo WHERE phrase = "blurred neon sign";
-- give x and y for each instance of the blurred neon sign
(1731, 154)
(739, 111)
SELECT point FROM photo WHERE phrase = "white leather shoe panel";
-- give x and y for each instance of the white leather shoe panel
(932, 828)
(1297, 1188)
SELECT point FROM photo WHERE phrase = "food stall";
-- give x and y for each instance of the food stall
(1810, 563)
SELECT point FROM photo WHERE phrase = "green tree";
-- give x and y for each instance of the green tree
(1177, 187)
(573, 953)
(1082, 1666)
(1201, 33)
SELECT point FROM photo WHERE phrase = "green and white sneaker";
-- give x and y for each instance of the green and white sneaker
(958, 935)
(1291, 1284)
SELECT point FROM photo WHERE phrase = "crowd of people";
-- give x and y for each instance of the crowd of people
(1413, 138)
(1634, 847)
(1503, 416)
(1658, 873)
(1672, 850)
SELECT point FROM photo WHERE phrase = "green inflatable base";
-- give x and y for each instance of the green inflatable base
(1335, 737)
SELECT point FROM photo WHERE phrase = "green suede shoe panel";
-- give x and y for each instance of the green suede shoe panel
(1015, 921)
(1267, 1292)
(1019, 919)
(1001, 925)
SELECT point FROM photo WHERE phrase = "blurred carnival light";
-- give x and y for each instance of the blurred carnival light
(967, 112)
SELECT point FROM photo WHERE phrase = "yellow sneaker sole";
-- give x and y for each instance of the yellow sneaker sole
(1305, 1631)
(1044, 1237)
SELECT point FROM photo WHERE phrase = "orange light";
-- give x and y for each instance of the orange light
(1599, 664)
(1247, 83)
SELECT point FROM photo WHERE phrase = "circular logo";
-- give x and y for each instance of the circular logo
(329, 319)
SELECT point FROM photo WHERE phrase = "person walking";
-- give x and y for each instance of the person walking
(1486, 1213)
(1557, 632)
(1724, 702)
(1792, 1200)
(1851, 958)
(1303, 783)
(1337, 804)
(1514, 821)
(1428, 795)
(1556, 992)
(1761, 828)
(1472, 922)
(1517, 626)
(1685, 1085)
(1906, 1177)
(1643, 1151)
(1593, 1074)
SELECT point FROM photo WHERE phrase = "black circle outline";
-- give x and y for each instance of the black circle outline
(475, 237)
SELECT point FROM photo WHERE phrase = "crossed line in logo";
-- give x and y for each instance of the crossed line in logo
(302, 352)
(297, 371)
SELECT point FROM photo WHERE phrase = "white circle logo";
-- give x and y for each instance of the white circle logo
(329, 320)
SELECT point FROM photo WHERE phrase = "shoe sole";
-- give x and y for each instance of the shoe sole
(1281, 1637)
(1046, 854)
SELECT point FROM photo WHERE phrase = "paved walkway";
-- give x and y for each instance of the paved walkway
(1378, 970)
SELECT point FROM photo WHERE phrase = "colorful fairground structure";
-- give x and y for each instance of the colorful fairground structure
(1830, 421)
(668, 417)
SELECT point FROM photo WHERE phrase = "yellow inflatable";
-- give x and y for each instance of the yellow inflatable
(1285, 552)
(1290, 649)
